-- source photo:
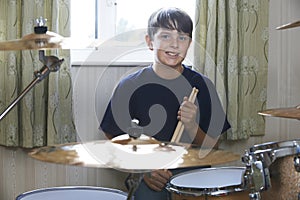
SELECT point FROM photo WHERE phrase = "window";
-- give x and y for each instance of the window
(134, 14)
(104, 19)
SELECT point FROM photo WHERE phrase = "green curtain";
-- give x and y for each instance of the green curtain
(231, 48)
(44, 116)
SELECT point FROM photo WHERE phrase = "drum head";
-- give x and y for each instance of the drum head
(211, 178)
(73, 193)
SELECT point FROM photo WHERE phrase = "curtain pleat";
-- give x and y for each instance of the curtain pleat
(232, 50)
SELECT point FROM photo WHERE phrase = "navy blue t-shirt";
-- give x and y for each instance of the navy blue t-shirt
(155, 102)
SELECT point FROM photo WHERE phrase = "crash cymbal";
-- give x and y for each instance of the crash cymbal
(133, 158)
(196, 156)
(291, 112)
(49, 40)
(289, 25)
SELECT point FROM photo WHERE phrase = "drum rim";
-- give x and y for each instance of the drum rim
(214, 192)
(273, 145)
(218, 191)
(59, 188)
(269, 152)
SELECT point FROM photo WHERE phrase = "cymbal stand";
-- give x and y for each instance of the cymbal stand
(134, 179)
(132, 182)
(51, 64)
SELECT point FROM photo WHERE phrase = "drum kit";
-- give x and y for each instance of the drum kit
(270, 168)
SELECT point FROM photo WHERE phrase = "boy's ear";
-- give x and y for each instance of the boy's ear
(149, 42)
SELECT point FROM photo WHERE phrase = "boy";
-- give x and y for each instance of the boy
(157, 96)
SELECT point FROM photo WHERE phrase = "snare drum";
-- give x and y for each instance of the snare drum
(279, 158)
(225, 183)
(73, 193)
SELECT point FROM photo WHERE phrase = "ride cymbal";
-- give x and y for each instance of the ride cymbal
(291, 112)
(141, 158)
(289, 25)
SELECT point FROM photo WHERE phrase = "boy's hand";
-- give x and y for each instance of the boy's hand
(157, 180)
(187, 115)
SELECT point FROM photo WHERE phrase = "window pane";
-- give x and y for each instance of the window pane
(83, 19)
(134, 14)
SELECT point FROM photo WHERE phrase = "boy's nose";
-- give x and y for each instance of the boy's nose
(174, 42)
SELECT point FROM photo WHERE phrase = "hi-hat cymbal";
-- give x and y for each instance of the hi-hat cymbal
(49, 40)
(144, 157)
(291, 112)
(289, 25)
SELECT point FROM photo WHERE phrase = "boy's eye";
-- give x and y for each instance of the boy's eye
(165, 36)
(168, 37)
(183, 37)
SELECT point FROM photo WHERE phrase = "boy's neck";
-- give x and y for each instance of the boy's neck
(167, 72)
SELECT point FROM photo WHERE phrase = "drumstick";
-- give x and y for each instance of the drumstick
(192, 99)
(180, 127)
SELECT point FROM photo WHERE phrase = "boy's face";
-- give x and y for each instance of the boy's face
(170, 46)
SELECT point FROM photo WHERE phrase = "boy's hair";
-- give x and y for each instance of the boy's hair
(170, 18)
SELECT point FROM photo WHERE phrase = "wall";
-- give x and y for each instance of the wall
(20, 173)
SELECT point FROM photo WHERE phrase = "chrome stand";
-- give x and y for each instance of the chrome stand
(254, 196)
(51, 64)
(132, 182)
(256, 176)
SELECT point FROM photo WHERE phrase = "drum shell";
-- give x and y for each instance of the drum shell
(278, 157)
(73, 193)
(285, 180)
(229, 192)
(241, 195)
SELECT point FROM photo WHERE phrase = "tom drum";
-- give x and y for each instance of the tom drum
(222, 183)
(282, 161)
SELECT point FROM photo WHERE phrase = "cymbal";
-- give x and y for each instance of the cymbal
(49, 40)
(289, 25)
(125, 139)
(196, 156)
(144, 157)
(291, 112)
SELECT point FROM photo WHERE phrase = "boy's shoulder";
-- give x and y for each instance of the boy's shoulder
(189, 71)
(145, 71)
(140, 74)
(195, 77)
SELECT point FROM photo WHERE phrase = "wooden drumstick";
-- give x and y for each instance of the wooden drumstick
(180, 127)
